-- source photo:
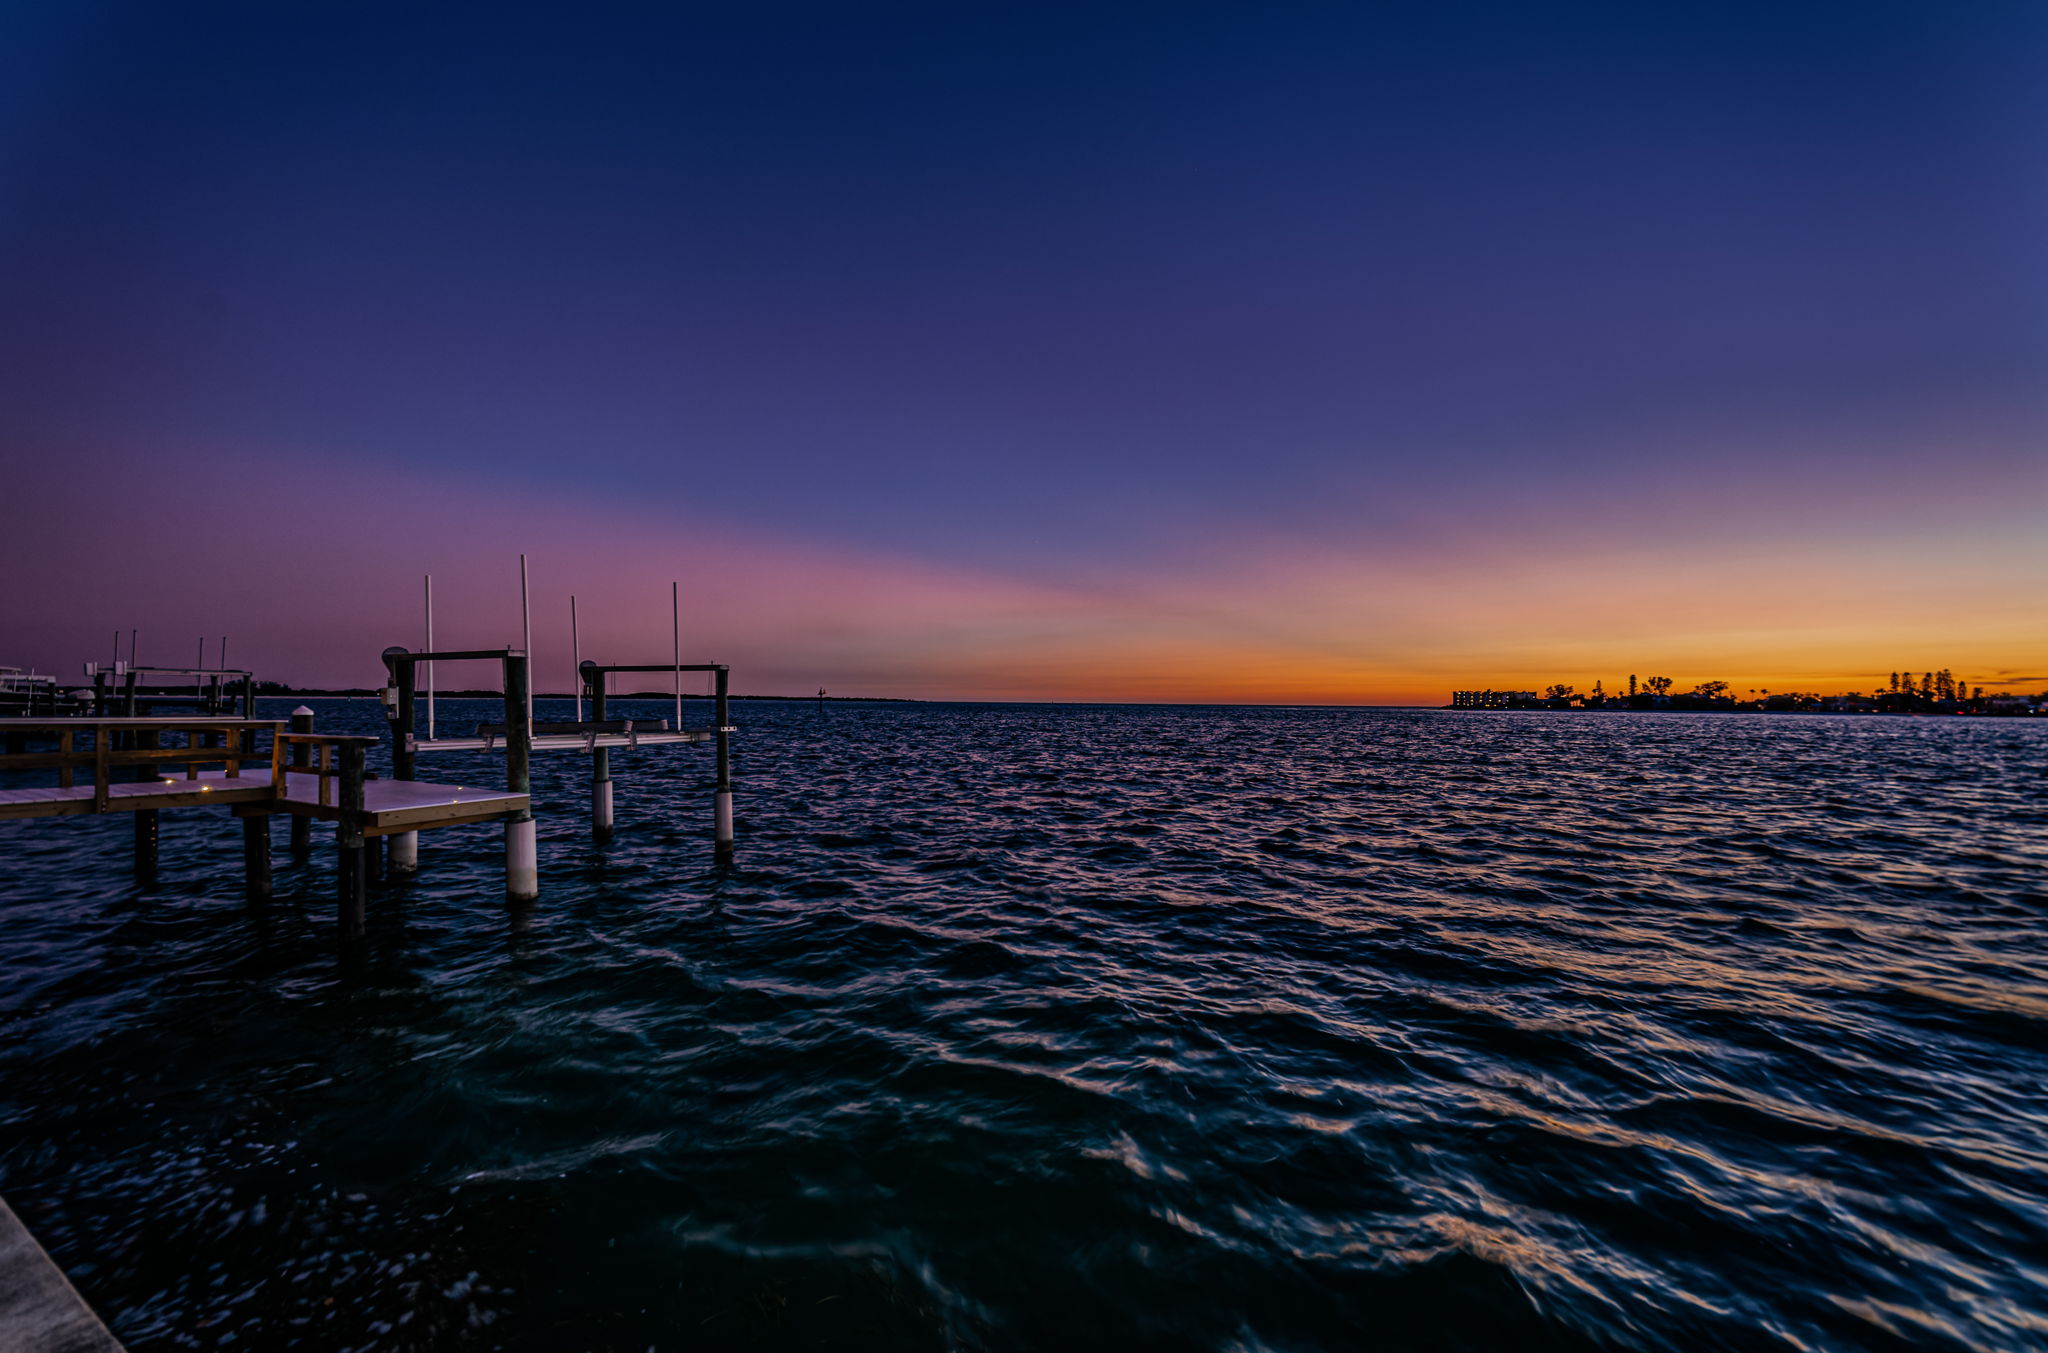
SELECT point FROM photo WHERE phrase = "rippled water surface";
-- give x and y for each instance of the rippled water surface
(1068, 1028)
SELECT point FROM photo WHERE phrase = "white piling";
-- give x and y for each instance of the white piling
(522, 863)
(405, 853)
(723, 809)
(675, 631)
(601, 807)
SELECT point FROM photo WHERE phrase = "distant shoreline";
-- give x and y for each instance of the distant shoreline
(1822, 713)
(372, 693)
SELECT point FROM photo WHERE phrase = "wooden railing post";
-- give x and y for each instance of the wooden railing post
(348, 840)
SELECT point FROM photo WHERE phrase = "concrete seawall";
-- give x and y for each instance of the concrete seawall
(40, 1311)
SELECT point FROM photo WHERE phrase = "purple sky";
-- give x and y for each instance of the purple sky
(1303, 352)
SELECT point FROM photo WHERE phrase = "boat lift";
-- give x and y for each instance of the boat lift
(518, 735)
(522, 870)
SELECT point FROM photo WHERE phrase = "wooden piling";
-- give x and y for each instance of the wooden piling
(600, 760)
(146, 834)
(147, 827)
(405, 847)
(256, 883)
(522, 865)
(302, 827)
(348, 839)
(722, 741)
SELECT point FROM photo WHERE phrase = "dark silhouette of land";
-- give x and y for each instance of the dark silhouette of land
(1931, 693)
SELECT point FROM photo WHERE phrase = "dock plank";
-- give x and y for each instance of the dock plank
(210, 788)
(40, 1311)
(403, 805)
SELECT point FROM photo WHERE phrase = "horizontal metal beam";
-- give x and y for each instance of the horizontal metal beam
(394, 656)
(194, 671)
(657, 667)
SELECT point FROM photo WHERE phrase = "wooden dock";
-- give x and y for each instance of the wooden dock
(40, 1311)
(301, 775)
(258, 770)
(277, 787)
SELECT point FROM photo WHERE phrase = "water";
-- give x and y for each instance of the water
(1075, 1028)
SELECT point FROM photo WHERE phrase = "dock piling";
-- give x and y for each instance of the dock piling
(600, 759)
(522, 864)
(147, 826)
(722, 798)
(146, 835)
(256, 883)
(405, 846)
(350, 871)
(302, 827)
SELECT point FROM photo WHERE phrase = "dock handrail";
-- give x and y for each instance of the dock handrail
(324, 746)
(238, 737)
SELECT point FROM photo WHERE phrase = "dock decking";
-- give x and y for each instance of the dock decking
(211, 789)
(570, 742)
(391, 806)
(263, 786)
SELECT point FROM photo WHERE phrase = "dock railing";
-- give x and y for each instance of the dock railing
(227, 742)
(332, 757)
(338, 761)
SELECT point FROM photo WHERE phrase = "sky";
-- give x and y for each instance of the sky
(1292, 353)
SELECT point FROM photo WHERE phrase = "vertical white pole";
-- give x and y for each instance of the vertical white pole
(526, 636)
(430, 666)
(223, 652)
(575, 659)
(522, 871)
(675, 630)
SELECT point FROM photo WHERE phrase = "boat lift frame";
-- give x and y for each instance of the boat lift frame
(522, 871)
(719, 733)
(213, 689)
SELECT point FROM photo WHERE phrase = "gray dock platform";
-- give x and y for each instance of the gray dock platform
(40, 1311)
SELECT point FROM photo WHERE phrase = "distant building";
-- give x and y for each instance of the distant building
(1495, 700)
